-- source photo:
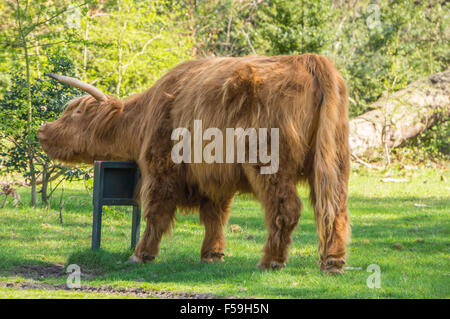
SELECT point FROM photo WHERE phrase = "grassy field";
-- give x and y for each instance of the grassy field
(403, 228)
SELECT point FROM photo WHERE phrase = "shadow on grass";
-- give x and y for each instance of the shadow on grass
(179, 272)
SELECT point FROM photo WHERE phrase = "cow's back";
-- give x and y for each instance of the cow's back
(249, 92)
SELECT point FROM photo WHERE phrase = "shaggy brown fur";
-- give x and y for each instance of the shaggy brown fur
(303, 96)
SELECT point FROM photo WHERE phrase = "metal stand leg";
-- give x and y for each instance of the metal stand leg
(97, 225)
(135, 226)
(97, 212)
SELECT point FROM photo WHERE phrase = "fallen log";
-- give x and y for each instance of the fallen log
(396, 117)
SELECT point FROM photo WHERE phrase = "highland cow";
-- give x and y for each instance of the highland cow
(301, 95)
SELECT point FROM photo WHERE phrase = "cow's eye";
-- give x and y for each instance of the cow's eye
(78, 111)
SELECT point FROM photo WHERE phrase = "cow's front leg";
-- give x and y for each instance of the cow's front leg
(214, 215)
(159, 218)
(159, 212)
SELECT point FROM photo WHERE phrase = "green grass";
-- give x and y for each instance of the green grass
(410, 244)
(10, 293)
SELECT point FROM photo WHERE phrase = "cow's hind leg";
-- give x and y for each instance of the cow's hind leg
(214, 216)
(282, 212)
(282, 207)
(333, 230)
(333, 238)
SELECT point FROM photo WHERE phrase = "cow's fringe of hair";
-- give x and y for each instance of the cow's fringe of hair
(106, 116)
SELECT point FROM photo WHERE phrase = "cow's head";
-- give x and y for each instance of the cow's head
(82, 132)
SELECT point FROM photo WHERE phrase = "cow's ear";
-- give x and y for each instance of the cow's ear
(96, 93)
(115, 104)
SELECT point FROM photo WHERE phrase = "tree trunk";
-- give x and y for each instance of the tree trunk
(401, 115)
(45, 180)
(30, 150)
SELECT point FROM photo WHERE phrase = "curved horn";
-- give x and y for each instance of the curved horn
(99, 95)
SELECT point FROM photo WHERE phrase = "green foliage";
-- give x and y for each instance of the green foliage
(124, 46)
(433, 144)
(29, 28)
(144, 41)
(220, 27)
(238, 28)
(378, 46)
(48, 100)
(293, 27)
(386, 46)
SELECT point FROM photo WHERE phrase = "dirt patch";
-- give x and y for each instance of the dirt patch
(43, 271)
(48, 270)
(134, 292)
(40, 271)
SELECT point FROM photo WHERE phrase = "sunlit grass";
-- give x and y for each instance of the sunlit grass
(10, 293)
(402, 227)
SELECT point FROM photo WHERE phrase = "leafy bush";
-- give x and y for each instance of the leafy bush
(21, 144)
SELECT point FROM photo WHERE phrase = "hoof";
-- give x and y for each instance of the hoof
(213, 257)
(274, 265)
(333, 266)
(141, 260)
(134, 260)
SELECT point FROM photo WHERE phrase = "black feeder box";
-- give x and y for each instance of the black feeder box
(115, 184)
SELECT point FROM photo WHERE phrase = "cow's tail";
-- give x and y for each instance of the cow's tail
(325, 176)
